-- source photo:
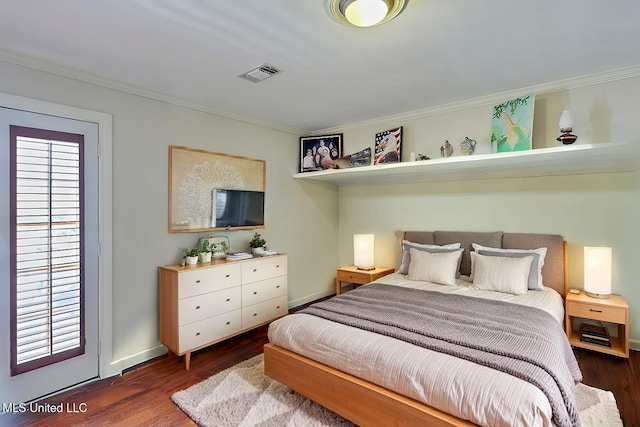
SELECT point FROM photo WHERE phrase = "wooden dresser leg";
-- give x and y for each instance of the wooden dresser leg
(187, 360)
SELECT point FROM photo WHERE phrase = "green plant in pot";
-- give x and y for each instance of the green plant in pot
(257, 244)
(204, 252)
(191, 256)
(219, 250)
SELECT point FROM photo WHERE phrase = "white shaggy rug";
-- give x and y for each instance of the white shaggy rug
(242, 396)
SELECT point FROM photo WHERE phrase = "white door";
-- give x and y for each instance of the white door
(48, 263)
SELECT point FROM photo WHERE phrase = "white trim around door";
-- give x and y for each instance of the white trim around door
(107, 366)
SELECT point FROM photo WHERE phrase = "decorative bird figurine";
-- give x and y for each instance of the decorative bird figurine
(446, 150)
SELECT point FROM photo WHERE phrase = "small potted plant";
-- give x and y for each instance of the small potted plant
(204, 252)
(257, 244)
(191, 256)
(219, 250)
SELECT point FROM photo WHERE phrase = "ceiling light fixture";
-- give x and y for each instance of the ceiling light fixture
(364, 13)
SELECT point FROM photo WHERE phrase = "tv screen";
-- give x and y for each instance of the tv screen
(237, 208)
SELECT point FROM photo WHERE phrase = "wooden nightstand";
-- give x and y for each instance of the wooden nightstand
(612, 310)
(351, 274)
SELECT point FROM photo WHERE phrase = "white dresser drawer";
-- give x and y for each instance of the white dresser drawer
(198, 334)
(264, 311)
(264, 268)
(200, 307)
(256, 292)
(205, 280)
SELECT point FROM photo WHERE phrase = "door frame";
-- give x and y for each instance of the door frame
(105, 216)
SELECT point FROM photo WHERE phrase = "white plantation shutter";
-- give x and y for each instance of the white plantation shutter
(47, 288)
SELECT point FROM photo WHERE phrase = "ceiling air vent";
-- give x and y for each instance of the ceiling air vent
(259, 74)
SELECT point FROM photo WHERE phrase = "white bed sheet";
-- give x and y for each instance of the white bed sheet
(464, 389)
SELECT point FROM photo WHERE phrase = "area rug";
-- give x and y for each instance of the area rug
(242, 396)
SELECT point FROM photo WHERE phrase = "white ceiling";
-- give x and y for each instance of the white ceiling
(436, 52)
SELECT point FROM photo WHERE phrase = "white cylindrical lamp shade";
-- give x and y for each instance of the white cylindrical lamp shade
(597, 271)
(363, 251)
(566, 121)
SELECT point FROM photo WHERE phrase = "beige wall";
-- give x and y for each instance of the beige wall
(301, 219)
(313, 222)
(601, 209)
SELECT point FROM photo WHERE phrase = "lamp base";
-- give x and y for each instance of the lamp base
(366, 268)
(567, 138)
(594, 295)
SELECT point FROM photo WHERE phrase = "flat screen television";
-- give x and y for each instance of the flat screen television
(237, 208)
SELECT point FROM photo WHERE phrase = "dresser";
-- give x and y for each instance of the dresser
(207, 303)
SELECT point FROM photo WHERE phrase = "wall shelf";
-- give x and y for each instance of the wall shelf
(557, 161)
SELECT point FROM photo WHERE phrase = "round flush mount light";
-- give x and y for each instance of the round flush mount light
(364, 13)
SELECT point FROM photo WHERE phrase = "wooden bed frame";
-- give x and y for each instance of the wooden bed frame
(368, 404)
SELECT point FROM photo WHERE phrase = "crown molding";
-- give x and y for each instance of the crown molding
(48, 67)
(541, 89)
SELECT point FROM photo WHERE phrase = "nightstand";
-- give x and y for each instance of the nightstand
(351, 274)
(612, 310)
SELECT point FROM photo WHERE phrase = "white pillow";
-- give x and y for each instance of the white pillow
(434, 267)
(535, 272)
(502, 274)
(406, 255)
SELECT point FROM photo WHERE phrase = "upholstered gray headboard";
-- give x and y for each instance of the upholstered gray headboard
(553, 271)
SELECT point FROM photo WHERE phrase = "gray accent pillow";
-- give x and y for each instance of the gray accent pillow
(406, 255)
(534, 281)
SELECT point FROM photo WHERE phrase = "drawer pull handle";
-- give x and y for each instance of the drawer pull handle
(278, 307)
(197, 307)
(255, 293)
(278, 287)
(228, 323)
(278, 266)
(197, 334)
(255, 314)
(255, 269)
(597, 311)
(228, 299)
(227, 275)
(197, 281)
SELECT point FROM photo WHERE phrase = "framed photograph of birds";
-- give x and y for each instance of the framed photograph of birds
(388, 146)
(513, 125)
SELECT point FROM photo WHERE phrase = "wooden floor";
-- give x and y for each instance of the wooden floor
(141, 397)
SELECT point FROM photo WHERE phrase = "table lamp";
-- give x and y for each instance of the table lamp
(363, 251)
(597, 271)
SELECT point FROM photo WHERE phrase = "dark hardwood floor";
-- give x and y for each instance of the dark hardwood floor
(141, 397)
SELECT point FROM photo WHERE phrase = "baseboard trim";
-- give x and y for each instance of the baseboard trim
(118, 366)
(311, 298)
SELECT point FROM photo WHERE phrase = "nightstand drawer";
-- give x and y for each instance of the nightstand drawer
(597, 312)
(352, 277)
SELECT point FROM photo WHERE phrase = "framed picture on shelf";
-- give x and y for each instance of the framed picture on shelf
(512, 125)
(388, 146)
(320, 152)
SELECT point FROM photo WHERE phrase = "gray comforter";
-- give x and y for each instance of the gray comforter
(523, 341)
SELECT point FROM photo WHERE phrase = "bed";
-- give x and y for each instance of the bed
(376, 378)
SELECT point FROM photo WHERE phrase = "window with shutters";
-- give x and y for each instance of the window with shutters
(47, 307)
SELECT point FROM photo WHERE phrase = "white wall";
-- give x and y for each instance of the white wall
(587, 210)
(313, 222)
(301, 219)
